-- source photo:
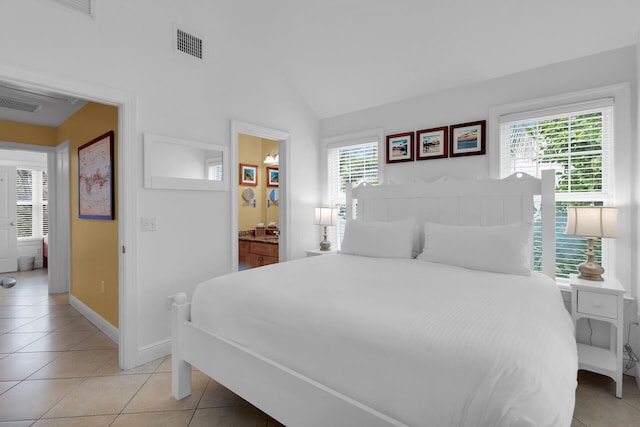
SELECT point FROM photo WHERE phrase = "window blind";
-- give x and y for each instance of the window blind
(32, 204)
(353, 163)
(577, 143)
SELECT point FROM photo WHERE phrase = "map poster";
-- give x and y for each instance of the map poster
(95, 178)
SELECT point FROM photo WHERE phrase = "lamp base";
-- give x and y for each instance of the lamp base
(590, 271)
(325, 245)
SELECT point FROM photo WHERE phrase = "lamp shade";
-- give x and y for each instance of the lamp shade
(592, 221)
(327, 216)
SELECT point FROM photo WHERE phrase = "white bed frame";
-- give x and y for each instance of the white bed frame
(296, 400)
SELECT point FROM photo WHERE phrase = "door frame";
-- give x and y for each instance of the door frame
(10, 263)
(284, 216)
(128, 159)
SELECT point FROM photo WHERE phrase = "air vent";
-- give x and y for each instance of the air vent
(82, 6)
(189, 44)
(15, 104)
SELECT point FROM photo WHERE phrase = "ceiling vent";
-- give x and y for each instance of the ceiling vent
(15, 104)
(82, 6)
(188, 43)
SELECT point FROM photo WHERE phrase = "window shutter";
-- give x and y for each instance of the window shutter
(24, 202)
(45, 204)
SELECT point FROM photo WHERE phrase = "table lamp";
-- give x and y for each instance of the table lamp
(591, 222)
(324, 217)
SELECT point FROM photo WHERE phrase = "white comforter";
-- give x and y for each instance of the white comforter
(424, 343)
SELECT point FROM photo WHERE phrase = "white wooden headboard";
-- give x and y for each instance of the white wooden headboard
(474, 202)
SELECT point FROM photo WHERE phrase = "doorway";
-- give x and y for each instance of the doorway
(270, 197)
(258, 204)
(24, 214)
(126, 333)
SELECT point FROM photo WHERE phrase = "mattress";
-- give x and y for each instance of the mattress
(426, 344)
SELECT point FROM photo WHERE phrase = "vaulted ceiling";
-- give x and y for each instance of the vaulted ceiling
(347, 55)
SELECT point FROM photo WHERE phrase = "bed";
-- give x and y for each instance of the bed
(415, 323)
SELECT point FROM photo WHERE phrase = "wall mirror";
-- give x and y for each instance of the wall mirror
(180, 164)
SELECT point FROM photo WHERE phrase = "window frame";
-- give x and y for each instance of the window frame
(616, 252)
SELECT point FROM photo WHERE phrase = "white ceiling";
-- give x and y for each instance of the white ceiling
(347, 55)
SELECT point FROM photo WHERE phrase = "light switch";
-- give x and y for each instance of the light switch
(148, 223)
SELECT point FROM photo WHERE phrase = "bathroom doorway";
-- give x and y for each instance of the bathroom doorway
(258, 204)
(258, 196)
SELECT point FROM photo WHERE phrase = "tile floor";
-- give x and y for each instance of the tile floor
(57, 369)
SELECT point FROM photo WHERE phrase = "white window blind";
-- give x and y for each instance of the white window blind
(356, 162)
(32, 194)
(576, 141)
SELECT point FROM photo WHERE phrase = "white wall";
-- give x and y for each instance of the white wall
(128, 46)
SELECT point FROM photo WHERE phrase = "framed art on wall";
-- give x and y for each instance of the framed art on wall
(432, 143)
(248, 174)
(400, 147)
(95, 178)
(272, 177)
(467, 139)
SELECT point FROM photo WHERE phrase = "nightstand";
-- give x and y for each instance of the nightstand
(600, 301)
(318, 252)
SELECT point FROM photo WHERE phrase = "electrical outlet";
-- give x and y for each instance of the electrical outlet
(148, 223)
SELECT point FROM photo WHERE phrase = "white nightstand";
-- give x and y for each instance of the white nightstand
(318, 252)
(600, 301)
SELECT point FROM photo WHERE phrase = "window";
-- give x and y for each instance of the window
(354, 162)
(32, 204)
(576, 141)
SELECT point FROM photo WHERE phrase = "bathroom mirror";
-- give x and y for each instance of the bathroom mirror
(180, 164)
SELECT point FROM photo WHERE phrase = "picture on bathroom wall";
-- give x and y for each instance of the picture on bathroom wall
(272, 177)
(248, 174)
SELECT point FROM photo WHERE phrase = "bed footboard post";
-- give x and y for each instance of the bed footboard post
(180, 368)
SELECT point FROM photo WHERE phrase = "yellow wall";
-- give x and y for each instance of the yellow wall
(27, 134)
(94, 243)
(253, 150)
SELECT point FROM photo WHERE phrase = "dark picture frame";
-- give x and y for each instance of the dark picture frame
(400, 147)
(95, 178)
(273, 176)
(467, 139)
(432, 143)
(248, 174)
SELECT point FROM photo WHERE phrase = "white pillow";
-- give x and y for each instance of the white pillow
(393, 239)
(502, 249)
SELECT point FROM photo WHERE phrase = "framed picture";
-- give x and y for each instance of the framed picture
(95, 178)
(248, 174)
(467, 139)
(432, 143)
(400, 147)
(272, 177)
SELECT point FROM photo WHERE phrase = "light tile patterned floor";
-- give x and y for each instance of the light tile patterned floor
(57, 369)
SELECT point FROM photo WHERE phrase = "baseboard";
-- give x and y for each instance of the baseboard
(154, 351)
(637, 375)
(107, 328)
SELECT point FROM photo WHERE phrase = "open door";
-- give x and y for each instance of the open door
(8, 233)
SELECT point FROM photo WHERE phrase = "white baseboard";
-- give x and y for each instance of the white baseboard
(107, 328)
(154, 351)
